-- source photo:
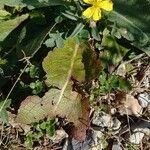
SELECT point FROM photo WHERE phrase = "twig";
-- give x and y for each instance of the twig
(128, 121)
(1, 136)
(145, 74)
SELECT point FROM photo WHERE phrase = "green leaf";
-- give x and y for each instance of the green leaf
(113, 81)
(3, 112)
(7, 104)
(36, 86)
(3, 14)
(7, 26)
(124, 85)
(66, 104)
(132, 20)
(77, 29)
(70, 15)
(84, 34)
(95, 34)
(55, 38)
(50, 42)
(63, 63)
(73, 60)
(103, 78)
(50, 127)
(113, 52)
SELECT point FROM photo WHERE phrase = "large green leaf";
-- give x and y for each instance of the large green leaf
(132, 18)
(7, 26)
(62, 64)
(21, 42)
(72, 61)
(31, 3)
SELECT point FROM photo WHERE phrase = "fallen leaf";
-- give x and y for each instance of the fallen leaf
(127, 104)
(72, 106)
(79, 132)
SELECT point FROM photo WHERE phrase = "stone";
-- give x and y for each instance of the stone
(59, 136)
(136, 137)
(116, 146)
(144, 99)
(104, 120)
(116, 124)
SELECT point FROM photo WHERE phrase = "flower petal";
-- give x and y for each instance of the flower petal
(98, 1)
(88, 1)
(106, 5)
(97, 14)
(89, 12)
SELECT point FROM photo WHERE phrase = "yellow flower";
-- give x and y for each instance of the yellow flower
(94, 11)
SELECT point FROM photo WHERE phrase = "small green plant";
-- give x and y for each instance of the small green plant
(33, 71)
(36, 87)
(108, 82)
(39, 130)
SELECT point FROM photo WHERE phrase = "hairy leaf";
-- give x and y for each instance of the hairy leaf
(74, 60)
(77, 29)
(3, 14)
(62, 64)
(35, 108)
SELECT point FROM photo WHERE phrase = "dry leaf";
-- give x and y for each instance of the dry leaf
(79, 132)
(127, 104)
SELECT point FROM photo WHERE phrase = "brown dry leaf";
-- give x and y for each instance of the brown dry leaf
(79, 132)
(73, 106)
(127, 104)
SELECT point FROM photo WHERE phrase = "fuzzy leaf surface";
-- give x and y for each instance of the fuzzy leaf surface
(72, 107)
(74, 60)
(34, 108)
(63, 63)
